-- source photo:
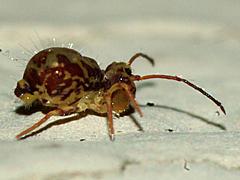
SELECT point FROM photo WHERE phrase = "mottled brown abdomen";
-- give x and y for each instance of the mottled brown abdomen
(62, 76)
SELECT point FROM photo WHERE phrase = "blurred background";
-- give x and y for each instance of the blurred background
(117, 29)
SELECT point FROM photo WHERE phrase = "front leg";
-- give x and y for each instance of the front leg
(111, 132)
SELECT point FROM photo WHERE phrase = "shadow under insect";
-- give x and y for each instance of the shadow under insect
(22, 110)
(37, 107)
(198, 117)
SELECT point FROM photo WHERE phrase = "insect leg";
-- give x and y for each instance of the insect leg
(131, 97)
(176, 78)
(56, 112)
(108, 99)
(130, 61)
(111, 133)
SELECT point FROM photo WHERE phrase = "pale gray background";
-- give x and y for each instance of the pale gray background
(199, 40)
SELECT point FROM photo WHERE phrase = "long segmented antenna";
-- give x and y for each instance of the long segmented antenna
(176, 78)
(140, 55)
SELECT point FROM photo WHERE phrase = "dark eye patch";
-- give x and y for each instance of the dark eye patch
(128, 71)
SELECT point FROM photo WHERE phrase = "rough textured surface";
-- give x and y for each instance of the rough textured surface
(184, 137)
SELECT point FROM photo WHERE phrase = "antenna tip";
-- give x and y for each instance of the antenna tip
(223, 110)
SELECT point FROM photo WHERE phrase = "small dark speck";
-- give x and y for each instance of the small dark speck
(169, 130)
(82, 139)
(0, 50)
(186, 165)
(150, 104)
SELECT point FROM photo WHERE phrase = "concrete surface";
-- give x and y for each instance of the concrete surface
(183, 138)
